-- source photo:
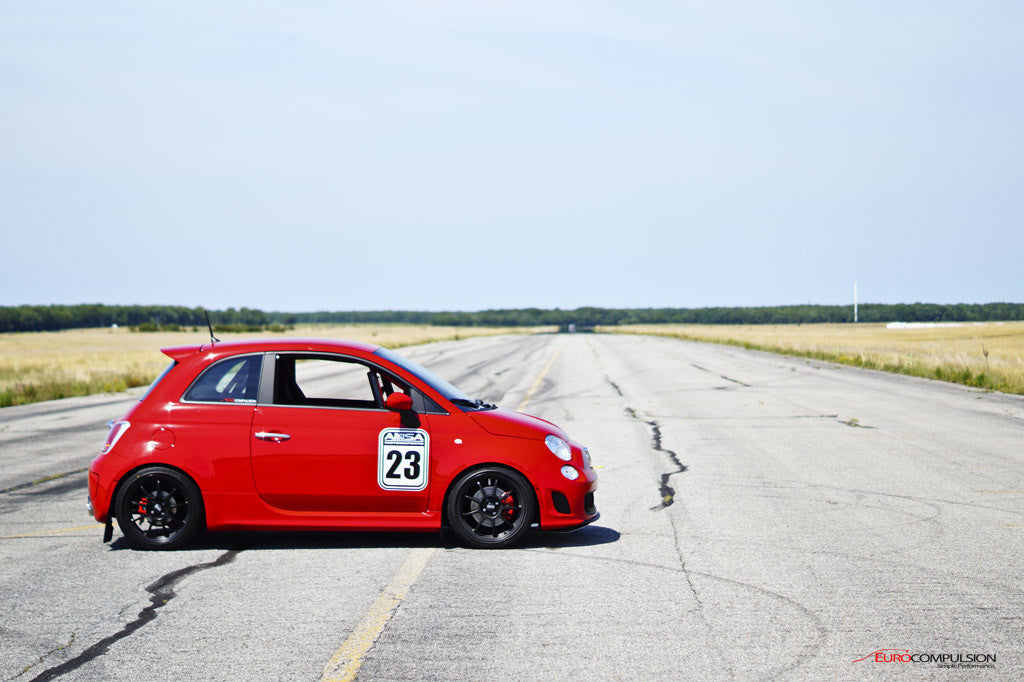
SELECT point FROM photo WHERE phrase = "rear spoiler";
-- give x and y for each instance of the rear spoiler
(179, 353)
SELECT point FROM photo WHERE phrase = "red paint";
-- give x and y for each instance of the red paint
(398, 402)
(162, 438)
(325, 474)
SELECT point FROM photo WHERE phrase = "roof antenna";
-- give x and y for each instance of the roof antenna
(213, 339)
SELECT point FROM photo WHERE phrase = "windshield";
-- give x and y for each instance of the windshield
(435, 382)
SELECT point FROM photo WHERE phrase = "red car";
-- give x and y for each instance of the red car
(324, 435)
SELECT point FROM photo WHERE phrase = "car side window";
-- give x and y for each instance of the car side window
(232, 380)
(319, 381)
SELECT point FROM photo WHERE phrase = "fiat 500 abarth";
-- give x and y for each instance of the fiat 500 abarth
(324, 435)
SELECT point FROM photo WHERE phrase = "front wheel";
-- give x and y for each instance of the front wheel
(490, 507)
(159, 508)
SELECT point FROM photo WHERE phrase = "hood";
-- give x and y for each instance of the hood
(508, 423)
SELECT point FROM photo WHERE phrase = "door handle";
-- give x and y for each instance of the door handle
(272, 436)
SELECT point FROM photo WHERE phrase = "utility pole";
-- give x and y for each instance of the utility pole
(854, 301)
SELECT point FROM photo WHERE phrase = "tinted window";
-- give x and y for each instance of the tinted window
(234, 380)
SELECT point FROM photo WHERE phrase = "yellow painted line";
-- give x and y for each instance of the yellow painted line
(52, 532)
(346, 661)
(536, 384)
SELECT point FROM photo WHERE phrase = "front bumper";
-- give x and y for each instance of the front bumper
(569, 504)
(570, 529)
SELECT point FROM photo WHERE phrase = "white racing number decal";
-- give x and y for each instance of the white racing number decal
(403, 459)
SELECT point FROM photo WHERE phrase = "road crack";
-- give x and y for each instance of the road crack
(855, 423)
(161, 593)
(667, 499)
(668, 493)
(45, 479)
(49, 653)
(720, 376)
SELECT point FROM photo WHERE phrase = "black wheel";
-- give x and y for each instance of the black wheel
(490, 507)
(159, 508)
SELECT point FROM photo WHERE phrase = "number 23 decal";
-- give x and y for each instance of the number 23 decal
(403, 459)
(410, 472)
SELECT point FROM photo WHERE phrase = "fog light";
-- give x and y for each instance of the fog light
(570, 473)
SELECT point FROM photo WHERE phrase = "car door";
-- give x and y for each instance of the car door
(322, 440)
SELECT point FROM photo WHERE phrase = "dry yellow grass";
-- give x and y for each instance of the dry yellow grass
(989, 355)
(45, 365)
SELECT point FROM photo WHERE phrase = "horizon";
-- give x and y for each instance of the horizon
(860, 304)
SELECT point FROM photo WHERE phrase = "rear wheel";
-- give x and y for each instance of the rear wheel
(159, 508)
(490, 507)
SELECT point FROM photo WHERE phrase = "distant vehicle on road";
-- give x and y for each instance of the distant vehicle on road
(327, 435)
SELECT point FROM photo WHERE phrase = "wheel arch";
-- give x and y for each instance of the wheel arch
(111, 508)
(478, 465)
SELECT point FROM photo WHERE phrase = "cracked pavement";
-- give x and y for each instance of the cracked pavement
(746, 532)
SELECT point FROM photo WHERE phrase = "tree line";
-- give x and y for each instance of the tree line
(54, 317)
(31, 318)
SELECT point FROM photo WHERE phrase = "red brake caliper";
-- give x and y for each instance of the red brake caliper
(142, 505)
(508, 501)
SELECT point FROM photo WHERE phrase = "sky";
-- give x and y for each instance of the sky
(300, 155)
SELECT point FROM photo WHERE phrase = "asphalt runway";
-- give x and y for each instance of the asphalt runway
(761, 518)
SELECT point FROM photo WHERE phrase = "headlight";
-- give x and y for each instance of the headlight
(559, 448)
(570, 473)
(586, 457)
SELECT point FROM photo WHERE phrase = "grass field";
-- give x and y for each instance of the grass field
(989, 355)
(38, 366)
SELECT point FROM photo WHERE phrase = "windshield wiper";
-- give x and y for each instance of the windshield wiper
(475, 403)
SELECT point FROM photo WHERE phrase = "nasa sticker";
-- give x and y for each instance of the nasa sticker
(403, 459)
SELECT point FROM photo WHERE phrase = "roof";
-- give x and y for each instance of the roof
(263, 345)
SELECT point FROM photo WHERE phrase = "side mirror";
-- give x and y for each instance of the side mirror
(399, 402)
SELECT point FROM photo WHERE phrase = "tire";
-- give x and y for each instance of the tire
(159, 508)
(490, 507)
